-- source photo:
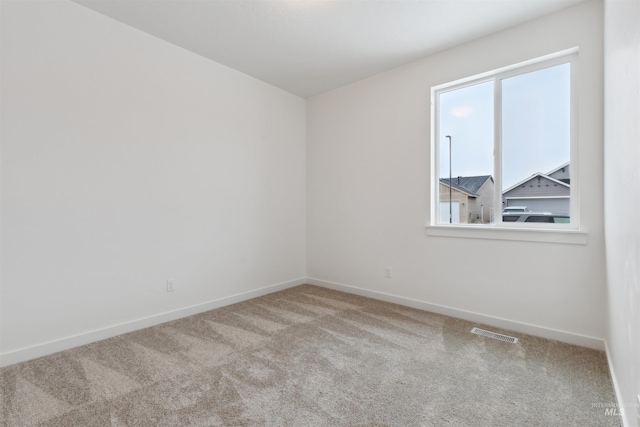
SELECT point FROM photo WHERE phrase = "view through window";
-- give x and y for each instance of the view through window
(504, 148)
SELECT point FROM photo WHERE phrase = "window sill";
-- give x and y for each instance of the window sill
(571, 237)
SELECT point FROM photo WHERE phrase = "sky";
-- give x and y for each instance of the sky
(535, 126)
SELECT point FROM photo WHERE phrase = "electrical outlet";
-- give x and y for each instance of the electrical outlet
(170, 285)
(387, 272)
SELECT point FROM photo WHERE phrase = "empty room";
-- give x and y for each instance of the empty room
(320, 213)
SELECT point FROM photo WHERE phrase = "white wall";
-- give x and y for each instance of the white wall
(622, 198)
(368, 194)
(127, 161)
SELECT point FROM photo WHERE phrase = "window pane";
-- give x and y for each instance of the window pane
(539, 219)
(466, 115)
(536, 140)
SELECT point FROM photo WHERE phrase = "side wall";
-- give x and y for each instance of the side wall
(482, 207)
(127, 161)
(368, 194)
(622, 199)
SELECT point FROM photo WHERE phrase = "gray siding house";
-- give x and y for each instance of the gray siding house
(542, 192)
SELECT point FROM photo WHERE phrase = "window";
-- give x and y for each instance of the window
(504, 143)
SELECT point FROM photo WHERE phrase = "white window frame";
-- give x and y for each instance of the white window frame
(539, 232)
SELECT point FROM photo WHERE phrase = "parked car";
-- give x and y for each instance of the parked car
(510, 209)
(536, 217)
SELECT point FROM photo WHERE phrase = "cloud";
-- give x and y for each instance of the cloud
(461, 111)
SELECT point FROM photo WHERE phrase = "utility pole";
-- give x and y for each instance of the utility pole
(450, 184)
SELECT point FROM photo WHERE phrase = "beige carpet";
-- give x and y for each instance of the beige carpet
(310, 356)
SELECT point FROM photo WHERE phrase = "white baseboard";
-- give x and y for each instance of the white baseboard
(616, 390)
(66, 343)
(525, 328)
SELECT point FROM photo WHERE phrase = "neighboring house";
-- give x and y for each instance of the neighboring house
(471, 197)
(542, 192)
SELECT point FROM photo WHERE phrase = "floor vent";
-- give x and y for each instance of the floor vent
(494, 335)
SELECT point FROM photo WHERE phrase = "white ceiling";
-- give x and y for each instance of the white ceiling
(311, 46)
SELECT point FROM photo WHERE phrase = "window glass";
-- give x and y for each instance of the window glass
(539, 219)
(504, 141)
(466, 158)
(536, 139)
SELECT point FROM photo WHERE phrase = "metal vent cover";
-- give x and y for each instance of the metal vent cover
(494, 335)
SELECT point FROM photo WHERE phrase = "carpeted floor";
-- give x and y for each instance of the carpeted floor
(310, 356)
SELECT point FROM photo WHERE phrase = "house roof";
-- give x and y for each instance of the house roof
(564, 165)
(468, 184)
(543, 175)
